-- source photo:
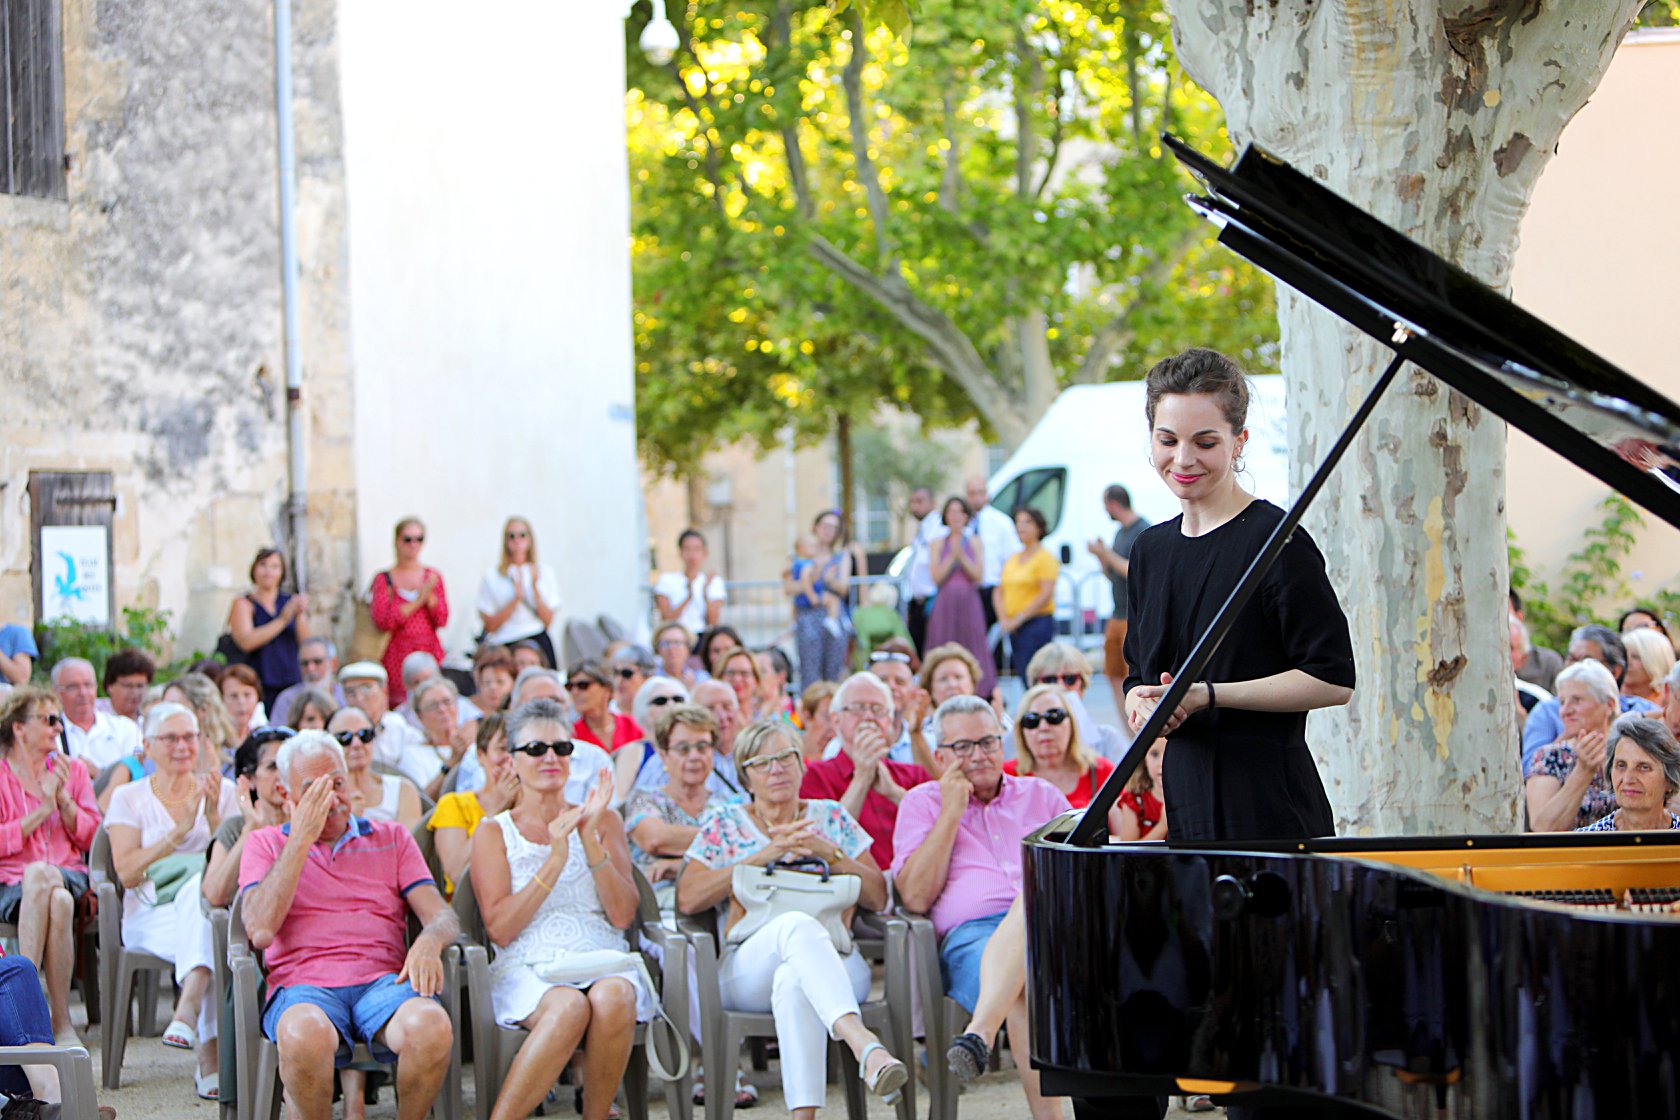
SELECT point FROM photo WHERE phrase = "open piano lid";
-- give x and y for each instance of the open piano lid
(1463, 332)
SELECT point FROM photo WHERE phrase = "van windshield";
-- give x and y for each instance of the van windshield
(1043, 488)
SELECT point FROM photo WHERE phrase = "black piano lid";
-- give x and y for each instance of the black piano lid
(1477, 341)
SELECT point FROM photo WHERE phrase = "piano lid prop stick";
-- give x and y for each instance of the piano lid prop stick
(1093, 826)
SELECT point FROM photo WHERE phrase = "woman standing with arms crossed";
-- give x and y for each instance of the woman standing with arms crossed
(407, 601)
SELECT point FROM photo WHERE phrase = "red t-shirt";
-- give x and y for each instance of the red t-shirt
(829, 778)
(1147, 806)
(1089, 782)
(624, 731)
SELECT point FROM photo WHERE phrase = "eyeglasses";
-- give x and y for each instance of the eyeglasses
(693, 748)
(560, 747)
(345, 738)
(361, 688)
(434, 707)
(1055, 717)
(628, 672)
(312, 660)
(962, 747)
(868, 711)
(579, 686)
(271, 734)
(1069, 680)
(661, 701)
(51, 719)
(673, 643)
(889, 655)
(778, 761)
(181, 738)
(739, 675)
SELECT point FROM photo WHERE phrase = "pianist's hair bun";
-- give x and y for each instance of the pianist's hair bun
(1199, 370)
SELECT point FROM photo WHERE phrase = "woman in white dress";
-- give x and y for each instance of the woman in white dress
(160, 829)
(553, 879)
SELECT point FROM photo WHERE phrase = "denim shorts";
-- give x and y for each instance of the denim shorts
(359, 1011)
(959, 957)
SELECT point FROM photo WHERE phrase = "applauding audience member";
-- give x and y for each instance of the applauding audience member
(407, 601)
(270, 625)
(518, 598)
(1565, 783)
(861, 776)
(327, 901)
(160, 829)
(693, 597)
(47, 822)
(1644, 770)
(1587, 643)
(447, 740)
(458, 813)
(256, 775)
(589, 762)
(790, 966)
(959, 861)
(662, 822)
(552, 878)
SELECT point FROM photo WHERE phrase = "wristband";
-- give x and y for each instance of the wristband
(1212, 700)
(600, 863)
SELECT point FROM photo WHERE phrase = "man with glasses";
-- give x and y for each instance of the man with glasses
(317, 668)
(366, 688)
(97, 738)
(861, 776)
(959, 855)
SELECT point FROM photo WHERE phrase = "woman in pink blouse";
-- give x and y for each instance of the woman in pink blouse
(407, 600)
(47, 820)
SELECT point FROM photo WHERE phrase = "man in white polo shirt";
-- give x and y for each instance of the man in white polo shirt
(97, 738)
(367, 687)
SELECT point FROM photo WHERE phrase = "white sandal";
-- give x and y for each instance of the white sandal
(889, 1081)
(209, 1085)
(180, 1036)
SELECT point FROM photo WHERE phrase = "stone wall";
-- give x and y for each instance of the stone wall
(140, 321)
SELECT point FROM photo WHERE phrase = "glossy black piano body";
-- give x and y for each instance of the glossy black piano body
(1407, 976)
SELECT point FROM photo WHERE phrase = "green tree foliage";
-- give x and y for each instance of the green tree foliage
(960, 229)
(1659, 13)
(1594, 587)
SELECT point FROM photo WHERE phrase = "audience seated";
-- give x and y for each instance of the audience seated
(959, 861)
(632, 666)
(1564, 783)
(400, 745)
(662, 821)
(326, 899)
(494, 671)
(459, 813)
(896, 664)
(1650, 656)
(1643, 768)
(376, 796)
(216, 740)
(1048, 745)
(128, 674)
(160, 829)
(310, 710)
(589, 684)
(47, 822)
(815, 718)
(719, 699)
(1065, 666)
(861, 776)
(97, 738)
(1143, 805)
(640, 765)
(317, 669)
(673, 644)
(256, 774)
(553, 878)
(1586, 643)
(446, 741)
(589, 762)
(790, 966)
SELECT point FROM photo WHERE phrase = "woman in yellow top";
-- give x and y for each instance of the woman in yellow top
(458, 813)
(1025, 597)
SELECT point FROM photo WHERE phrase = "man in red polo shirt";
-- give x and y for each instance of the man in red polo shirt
(326, 898)
(861, 777)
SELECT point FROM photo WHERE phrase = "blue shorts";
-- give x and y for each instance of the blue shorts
(359, 1011)
(959, 957)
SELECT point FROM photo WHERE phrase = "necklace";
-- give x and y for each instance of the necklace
(158, 793)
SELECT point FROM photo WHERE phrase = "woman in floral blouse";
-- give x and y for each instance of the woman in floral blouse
(1565, 784)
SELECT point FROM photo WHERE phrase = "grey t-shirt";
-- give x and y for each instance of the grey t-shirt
(1123, 541)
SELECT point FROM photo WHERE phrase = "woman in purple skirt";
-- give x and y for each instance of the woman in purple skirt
(957, 614)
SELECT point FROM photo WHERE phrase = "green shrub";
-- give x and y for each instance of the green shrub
(143, 628)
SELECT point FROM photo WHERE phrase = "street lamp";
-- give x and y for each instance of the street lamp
(659, 39)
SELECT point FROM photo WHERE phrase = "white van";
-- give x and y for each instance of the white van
(1094, 436)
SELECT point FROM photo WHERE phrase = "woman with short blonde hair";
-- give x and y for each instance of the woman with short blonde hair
(1650, 657)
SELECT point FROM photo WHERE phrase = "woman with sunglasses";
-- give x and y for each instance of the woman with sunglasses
(790, 966)
(160, 829)
(518, 598)
(1048, 745)
(47, 822)
(552, 878)
(407, 601)
(640, 765)
(375, 796)
(1062, 664)
(459, 812)
(589, 686)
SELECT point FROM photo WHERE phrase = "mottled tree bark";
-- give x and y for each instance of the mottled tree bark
(1436, 116)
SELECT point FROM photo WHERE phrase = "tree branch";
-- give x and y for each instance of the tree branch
(950, 349)
(1029, 79)
(1118, 331)
(852, 79)
(950, 175)
(780, 46)
(714, 174)
(1057, 128)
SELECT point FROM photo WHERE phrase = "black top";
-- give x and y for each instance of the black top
(1123, 541)
(1232, 774)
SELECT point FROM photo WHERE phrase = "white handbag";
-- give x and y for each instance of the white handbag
(800, 886)
(593, 964)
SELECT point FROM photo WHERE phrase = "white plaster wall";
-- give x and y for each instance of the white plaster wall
(490, 289)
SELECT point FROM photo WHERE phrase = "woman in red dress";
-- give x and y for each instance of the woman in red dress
(408, 602)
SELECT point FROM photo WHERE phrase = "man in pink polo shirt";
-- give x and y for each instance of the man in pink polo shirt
(959, 855)
(326, 899)
(861, 777)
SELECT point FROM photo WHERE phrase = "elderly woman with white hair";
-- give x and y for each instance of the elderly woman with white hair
(1565, 784)
(1644, 770)
(640, 765)
(160, 829)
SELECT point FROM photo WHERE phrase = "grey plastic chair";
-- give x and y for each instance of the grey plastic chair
(495, 1046)
(257, 1060)
(122, 971)
(75, 1075)
(722, 1030)
(943, 1018)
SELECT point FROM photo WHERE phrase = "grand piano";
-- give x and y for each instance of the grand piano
(1454, 977)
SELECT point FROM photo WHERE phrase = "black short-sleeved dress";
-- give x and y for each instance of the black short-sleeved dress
(1232, 774)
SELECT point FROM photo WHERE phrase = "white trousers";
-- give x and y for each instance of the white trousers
(790, 968)
(179, 932)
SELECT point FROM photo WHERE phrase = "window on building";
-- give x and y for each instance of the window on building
(874, 528)
(31, 99)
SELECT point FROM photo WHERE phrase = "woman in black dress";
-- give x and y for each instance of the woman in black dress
(1239, 758)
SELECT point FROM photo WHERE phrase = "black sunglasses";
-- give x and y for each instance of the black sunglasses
(1071, 680)
(661, 701)
(1054, 717)
(627, 671)
(421, 539)
(561, 748)
(345, 738)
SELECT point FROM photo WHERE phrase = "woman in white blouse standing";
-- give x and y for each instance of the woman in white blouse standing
(693, 596)
(517, 599)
